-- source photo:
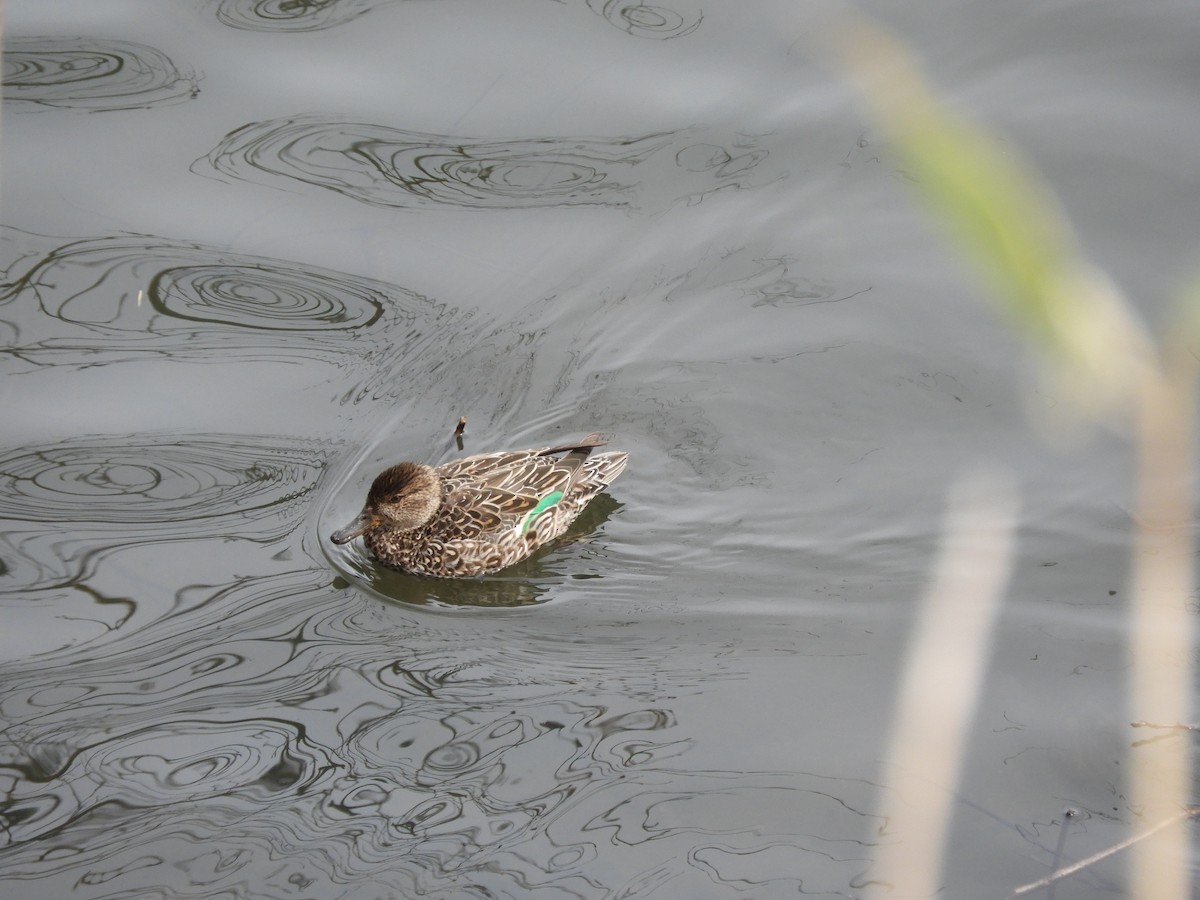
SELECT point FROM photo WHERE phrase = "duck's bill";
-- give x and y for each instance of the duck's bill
(353, 530)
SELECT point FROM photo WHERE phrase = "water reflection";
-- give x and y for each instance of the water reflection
(390, 167)
(62, 503)
(82, 73)
(284, 718)
(109, 299)
(631, 16)
(167, 763)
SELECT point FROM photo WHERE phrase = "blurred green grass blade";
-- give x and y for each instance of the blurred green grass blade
(993, 211)
(1007, 221)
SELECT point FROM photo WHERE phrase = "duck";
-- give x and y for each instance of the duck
(479, 514)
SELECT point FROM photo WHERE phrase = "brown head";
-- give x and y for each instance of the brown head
(401, 498)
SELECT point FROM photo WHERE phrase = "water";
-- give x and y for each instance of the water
(254, 252)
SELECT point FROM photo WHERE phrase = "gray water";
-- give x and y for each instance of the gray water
(255, 251)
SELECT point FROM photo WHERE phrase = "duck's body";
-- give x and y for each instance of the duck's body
(479, 514)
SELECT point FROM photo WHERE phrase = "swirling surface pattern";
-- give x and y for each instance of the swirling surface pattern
(390, 167)
(659, 219)
(446, 766)
(62, 505)
(52, 72)
(116, 298)
(631, 16)
(292, 15)
(647, 20)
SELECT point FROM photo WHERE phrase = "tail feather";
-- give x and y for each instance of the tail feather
(577, 453)
(578, 449)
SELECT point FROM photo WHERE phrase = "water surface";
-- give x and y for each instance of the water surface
(255, 251)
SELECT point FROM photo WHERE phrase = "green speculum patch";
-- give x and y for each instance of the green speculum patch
(544, 504)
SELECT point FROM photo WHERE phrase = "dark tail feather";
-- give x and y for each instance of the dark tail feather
(578, 453)
(578, 450)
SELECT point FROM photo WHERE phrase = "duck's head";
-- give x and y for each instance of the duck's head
(401, 498)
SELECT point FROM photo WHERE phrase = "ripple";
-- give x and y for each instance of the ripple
(646, 20)
(723, 161)
(147, 487)
(390, 167)
(237, 647)
(165, 764)
(759, 826)
(260, 297)
(89, 74)
(641, 19)
(184, 484)
(246, 742)
(765, 277)
(292, 15)
(532, 792)
(497, 781)
(451, 758)
(109, 299)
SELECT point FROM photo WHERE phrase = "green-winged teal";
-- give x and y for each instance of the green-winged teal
(481, 513)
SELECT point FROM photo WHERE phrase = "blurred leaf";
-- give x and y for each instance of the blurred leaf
(1007, 221)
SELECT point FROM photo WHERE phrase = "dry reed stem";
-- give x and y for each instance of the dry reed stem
(1161, 581)
(1059, 874)
(1178, 726)
(944, 667)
